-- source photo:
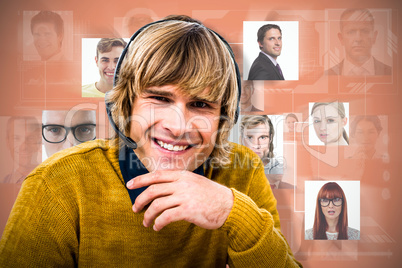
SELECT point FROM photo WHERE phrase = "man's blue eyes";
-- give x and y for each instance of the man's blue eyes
(328, 121)
(261, 137)
(54, 130)
(107, 60)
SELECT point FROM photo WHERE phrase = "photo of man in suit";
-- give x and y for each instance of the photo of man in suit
(265, 66)
(357, 35)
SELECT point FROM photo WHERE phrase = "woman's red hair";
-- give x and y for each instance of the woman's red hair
(330, 190)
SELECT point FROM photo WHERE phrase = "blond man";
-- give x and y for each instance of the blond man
(257, 133)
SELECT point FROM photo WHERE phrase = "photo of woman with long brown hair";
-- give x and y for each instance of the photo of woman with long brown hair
(331, 216)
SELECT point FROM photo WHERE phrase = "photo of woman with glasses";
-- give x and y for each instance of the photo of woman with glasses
(331, 216)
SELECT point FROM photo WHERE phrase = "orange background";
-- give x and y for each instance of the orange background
(58, 87)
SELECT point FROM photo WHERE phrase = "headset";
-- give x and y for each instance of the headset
(127, 140)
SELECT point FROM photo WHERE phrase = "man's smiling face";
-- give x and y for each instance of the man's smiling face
(272, 43)
(173, 131)
(106, 63)
(46, 40)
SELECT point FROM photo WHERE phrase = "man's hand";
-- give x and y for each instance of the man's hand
(181, 195)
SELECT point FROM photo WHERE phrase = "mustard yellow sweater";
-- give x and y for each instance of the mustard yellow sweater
(74, 210)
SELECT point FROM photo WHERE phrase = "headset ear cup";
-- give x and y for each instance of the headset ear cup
(238, 78)
(237, 113)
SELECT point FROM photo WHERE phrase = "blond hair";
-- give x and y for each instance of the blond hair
(187, 55)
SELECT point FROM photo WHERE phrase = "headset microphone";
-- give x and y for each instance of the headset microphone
(127, 140)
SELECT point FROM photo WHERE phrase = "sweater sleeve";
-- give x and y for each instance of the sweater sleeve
(39, 231)
(253, 228)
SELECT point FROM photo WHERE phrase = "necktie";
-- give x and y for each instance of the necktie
(279, 69)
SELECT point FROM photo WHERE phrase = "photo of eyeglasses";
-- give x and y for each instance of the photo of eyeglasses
(58, 133)
(336, 201)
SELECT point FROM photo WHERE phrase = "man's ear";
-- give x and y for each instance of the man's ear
(96, 60)
(259, 44)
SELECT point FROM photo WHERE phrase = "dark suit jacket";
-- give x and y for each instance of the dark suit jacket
(264, 69)
(379, 68)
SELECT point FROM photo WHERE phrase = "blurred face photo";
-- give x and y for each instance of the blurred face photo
(272, 43)
(106, 63)
(328, 124)
(46, 40)
(24, 142)
(357, 37)
(290, 123)
(246, 93)
(366, 134)
(257, 139)
(134, 23)
(64, 129)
